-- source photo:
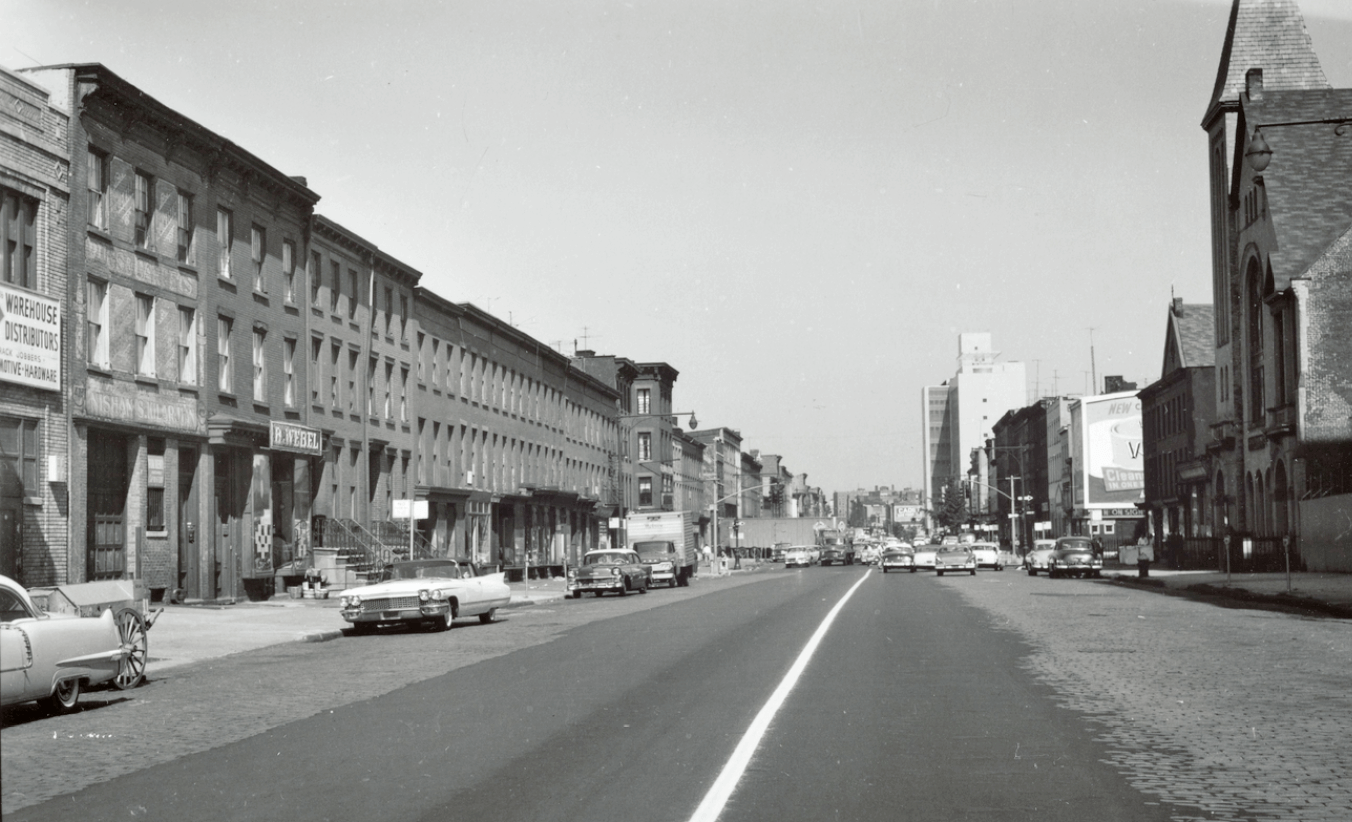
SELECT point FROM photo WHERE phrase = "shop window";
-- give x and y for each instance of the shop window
(18, 458)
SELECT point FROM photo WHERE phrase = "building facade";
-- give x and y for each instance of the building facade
(36, 346)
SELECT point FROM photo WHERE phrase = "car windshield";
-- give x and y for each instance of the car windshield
(444, 569)
(1076, 544)
(654, 550)
(604, 559)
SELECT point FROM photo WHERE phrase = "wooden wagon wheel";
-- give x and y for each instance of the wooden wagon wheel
(131, 627)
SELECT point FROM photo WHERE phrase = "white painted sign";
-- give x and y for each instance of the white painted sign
(401, 509)
(30, 338)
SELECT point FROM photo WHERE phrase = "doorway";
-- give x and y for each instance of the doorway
(109, 480)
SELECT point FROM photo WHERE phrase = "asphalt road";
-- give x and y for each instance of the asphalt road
(911, 707)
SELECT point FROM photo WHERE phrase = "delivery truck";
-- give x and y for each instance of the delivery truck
(665, 541)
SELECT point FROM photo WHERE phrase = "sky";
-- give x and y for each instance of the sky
(798, 206)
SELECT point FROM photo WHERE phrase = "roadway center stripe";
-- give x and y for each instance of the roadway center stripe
(718, 795)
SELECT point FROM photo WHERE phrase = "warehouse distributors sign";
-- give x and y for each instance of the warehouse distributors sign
(30, 339)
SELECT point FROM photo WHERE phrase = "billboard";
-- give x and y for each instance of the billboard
(1113, 472)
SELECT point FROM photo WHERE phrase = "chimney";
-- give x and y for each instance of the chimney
(1253, 84)
(297, 178)
(1178, 306)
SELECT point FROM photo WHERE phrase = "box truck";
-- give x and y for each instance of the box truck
(665, 541)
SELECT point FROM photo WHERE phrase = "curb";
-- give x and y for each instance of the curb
(1241, 595)
(320, 636)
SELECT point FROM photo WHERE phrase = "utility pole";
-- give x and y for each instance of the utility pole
(1093, 370)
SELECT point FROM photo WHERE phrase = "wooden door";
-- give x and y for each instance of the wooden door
(106, 534)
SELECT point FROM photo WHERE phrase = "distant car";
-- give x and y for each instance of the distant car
(836, 555)
(925, 556)
(777, 553)
(950, 539)
(50, 657)
(798, 557)
(1036, 559)
(987, 555)
(897, 559)
(954, 558)
(609, 570)
(814, 553)
(426, 592)
(1074, 557)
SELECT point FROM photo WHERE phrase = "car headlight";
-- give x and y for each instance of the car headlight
(352, 601)
(614, 572)
(424, 595)
(439, 595)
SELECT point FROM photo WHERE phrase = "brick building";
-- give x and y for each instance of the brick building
(1282, 270)
(1176, 415)
(35, 350)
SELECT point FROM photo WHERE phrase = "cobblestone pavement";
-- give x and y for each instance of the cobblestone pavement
(202, 705)
(1239, 714)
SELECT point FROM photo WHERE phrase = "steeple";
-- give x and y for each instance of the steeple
(1268, 35)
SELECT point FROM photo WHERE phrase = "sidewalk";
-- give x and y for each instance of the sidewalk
(1327, 593)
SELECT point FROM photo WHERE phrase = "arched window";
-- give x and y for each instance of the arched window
(1253, 305)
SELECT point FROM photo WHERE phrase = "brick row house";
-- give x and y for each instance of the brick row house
(1280, 143)
(234, 389)
(35, 205)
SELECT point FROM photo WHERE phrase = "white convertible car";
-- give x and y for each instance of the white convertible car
(51, 657)
(430, 592)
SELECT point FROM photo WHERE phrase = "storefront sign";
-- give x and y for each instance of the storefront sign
(299, 439)
(30, 338)
(125, 403)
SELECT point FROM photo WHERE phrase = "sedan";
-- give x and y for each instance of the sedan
(425, 592)
(925, 556)
(797, 558)
(955, 558)
(50, 657)
(1036, 560)
(895, 559)
(987, 555)
(609, 570)
(1074, 557)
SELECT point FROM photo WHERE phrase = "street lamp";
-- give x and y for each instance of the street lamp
(694, 423)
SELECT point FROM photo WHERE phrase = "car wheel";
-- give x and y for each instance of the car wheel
(487, 617)
(937, 571)
(1032, 572)
(624, 586)
(64, 696)
(973, 572)
(884, 570)
(442, 623)
(362, 627)
(913, 570)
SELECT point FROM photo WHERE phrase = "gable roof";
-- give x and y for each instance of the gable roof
(1268, 35)
(1309, 178)
(1190, 336)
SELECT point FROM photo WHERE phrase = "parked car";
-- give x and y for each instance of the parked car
(50, 657)
(897, 559)
(955, 558)
(1036, 559)
(425, 593)
(987, 555)
(797, 557)
(609, 570)
(925, 556)
(1074, 556)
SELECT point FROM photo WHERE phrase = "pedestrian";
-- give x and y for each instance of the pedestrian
(1145, 554)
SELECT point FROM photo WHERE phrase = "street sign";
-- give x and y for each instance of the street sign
(401, 507)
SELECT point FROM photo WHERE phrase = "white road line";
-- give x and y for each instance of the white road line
(721, 791)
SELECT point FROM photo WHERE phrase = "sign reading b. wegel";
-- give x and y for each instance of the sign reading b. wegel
(288, 436)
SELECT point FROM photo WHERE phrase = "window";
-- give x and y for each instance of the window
(145, 335)
(336, 269)
(316, 354)
(97, 182)
(258, 245)
(403, 395)
(371, 387)
(645, 491)
(154, 484)
(260, 368)
(389, 310)
(187, 346)
(403, 316)
(422, 372)
(288, 369)
(644, 398)
(316, 267)
(352, 382)
(144, 187)
(336, 361)
(289, 269)
(645, 445)
(389, 390)
(185, 229)
(354, 299)
(224, 380)
(225, 232)
(18, 458)
(97, 318)
(18, 215)
(436, 373)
